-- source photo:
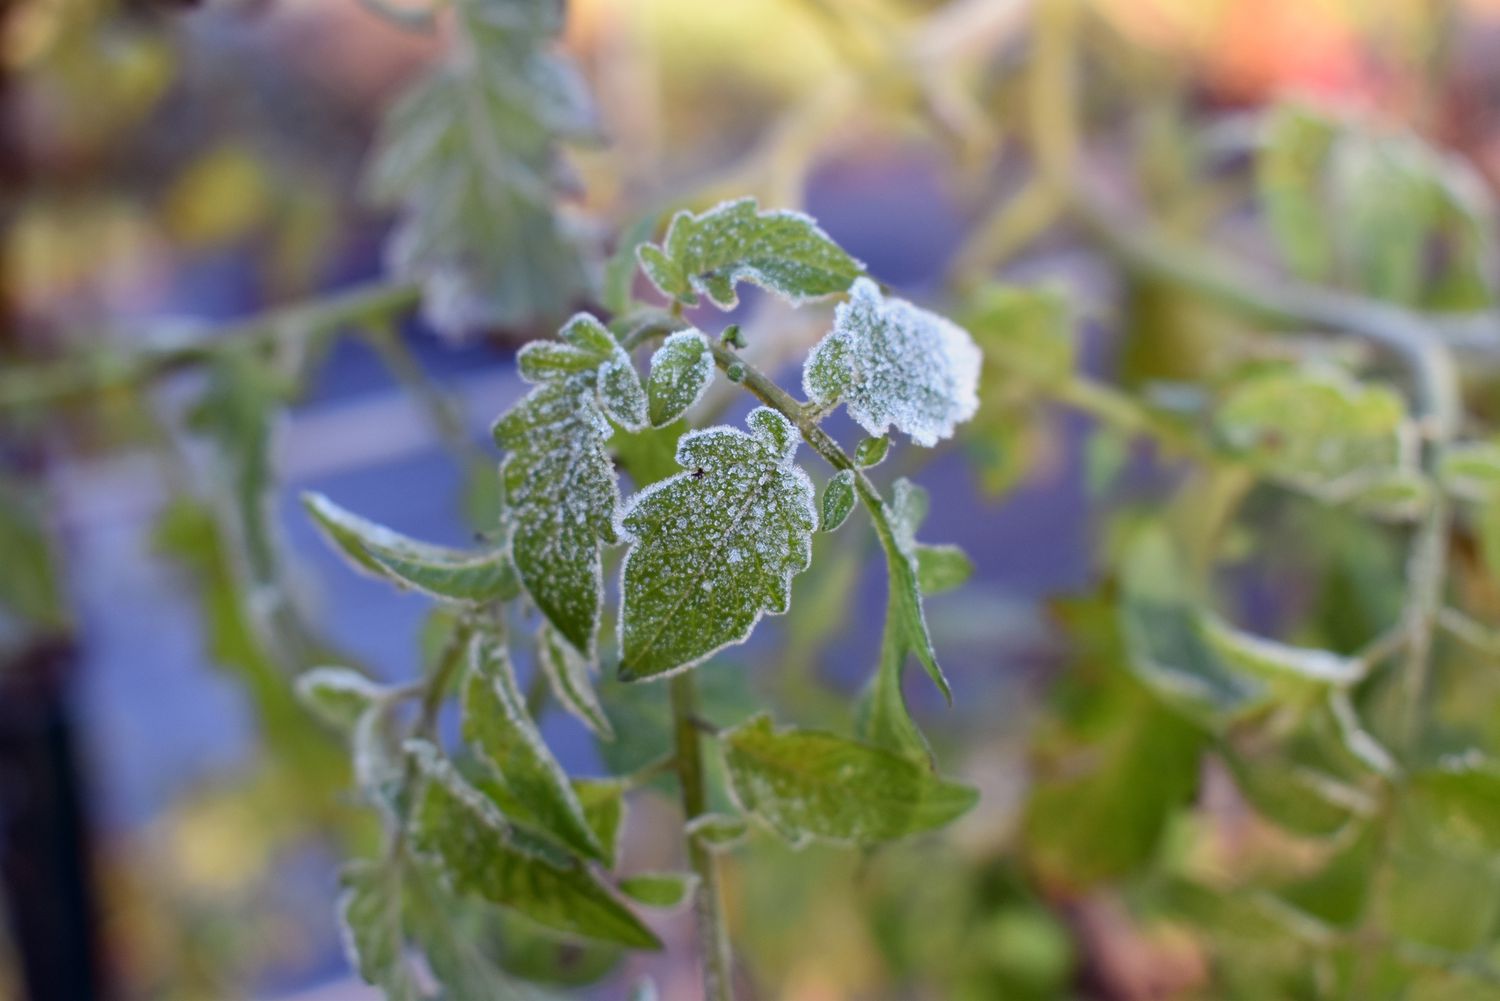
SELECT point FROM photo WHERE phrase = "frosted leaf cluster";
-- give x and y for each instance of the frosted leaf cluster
(468, 156)
(782, 251)
(557, 481)
(895, 365)
(714, 547)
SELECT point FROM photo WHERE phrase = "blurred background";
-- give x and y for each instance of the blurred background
(171, 820)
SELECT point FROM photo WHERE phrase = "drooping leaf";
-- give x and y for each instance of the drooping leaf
(468, 155)
(659, 889)
(479, 854)
(894, 365)
(559, 488)
(337, 695)
(838, 500)
(808, 785)
(496, 724)
(681, 370)
(884, 718)
(568, 677)
(717, 831)
(1280, 664)
(783, 252)
(715, 547)
(438, 571)
(370, 915)
(1312, 426)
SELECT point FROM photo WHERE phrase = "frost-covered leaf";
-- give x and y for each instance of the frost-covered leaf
(838, 500)
(1285, 668)
(1312, 427)
(884, 718)
(942, 568)
(809, 785)
(469, 158)
(481, 854)
(337, 695)
(681, 370)
(894, 365)
(559, 488)
(568, 677)
(715, 547)
(438, 571)
(659, 889)
(717, 832)
(496, 724)
(370, 911)
(872, 451)
(783, 252)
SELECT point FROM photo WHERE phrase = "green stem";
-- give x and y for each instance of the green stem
(103, 370)
(708, 904)
(434, 690)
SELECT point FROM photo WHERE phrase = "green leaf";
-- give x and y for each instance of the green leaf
(1164, 634)
(568, 677)
(809, 785)
(337, 695)
(872, 451)
(480, 854)
(648, 456)
(619, 270)
(1280, 664)
(469, 155)
(681, 370)
(1111, 767)
(603, 802)
(1471, 469)
(1024, 332)
(942, 568)
(659, 889)
(1460, 796)
(450, 574)
(496, 723)
(31, 595)
(370, 910)
(1312, 426)
(1289, 174)
(718, 832)
(883, 716)
(559, 487)
(714, 547)
(782, 252)
(838, 500)
(894, 365)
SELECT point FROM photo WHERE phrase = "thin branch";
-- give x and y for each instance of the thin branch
(104, 369)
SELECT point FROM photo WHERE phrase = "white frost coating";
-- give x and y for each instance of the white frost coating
(780, 250)
(895, 365)
(715, 547)
(681, 371)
